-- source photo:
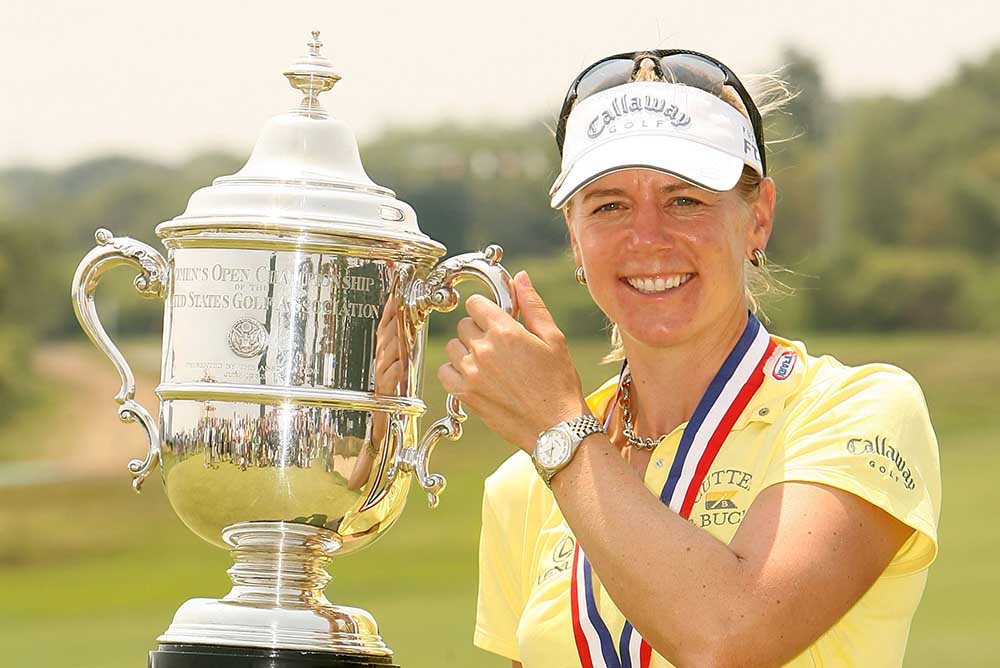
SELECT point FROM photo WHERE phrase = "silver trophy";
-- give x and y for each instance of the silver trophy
(296, 297)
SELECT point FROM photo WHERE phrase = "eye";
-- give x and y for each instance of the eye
(610, 206)
(686, 201)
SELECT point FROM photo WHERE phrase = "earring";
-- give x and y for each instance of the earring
(758, 260)
(581, 275)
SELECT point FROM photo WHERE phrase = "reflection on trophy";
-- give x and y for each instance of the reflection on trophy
(296, 297)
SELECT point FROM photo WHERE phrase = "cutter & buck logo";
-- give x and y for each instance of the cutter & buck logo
(721, 493)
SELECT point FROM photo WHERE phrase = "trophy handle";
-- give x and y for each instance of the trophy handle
(438, 293)
(111, 252)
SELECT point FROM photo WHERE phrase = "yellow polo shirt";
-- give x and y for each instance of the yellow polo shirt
(861, 429)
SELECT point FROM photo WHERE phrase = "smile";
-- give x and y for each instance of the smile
(654, 284)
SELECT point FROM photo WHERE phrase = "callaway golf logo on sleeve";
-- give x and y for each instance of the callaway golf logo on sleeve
(884, 458)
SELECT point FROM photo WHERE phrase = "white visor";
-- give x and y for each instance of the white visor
(672, 128)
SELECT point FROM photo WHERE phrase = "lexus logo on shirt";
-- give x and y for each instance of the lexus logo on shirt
(560, 560)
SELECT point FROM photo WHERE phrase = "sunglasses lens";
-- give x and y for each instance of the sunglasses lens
(608, 74)
(682, 68)
(692, 70)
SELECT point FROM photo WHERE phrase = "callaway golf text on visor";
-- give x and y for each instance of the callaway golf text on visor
(669, 127)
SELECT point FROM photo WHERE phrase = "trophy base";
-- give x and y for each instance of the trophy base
(221, 656)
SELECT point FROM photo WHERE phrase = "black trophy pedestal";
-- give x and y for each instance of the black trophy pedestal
(218, 656)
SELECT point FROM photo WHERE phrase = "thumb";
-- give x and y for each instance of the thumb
(534, 313)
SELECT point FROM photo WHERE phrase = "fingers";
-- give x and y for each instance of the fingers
(388, 380)
(387, 351)
(469, 332)
(487, 315)
(461, 363)
(536, 316)
(450, 379)
(456, 351)
(388, 319)
(387, 332)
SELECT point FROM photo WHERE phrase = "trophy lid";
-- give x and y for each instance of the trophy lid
(304, 174)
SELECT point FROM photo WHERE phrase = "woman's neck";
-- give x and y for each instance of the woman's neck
(668, 383)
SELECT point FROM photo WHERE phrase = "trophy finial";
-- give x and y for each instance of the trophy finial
(312, 74)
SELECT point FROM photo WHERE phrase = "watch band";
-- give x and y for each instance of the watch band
(584, 425)
(580, 427)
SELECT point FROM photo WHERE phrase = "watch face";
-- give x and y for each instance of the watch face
(553, 448)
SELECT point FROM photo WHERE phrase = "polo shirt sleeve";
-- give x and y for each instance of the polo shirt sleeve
(501, 594)
(868, 432)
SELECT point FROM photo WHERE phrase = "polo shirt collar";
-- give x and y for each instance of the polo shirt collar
(784, 373)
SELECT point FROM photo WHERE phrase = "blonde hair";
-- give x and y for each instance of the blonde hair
(770, 93)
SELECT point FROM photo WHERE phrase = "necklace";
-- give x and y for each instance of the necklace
(627, 427)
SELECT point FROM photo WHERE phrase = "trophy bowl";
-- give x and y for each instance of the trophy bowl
(296, 294)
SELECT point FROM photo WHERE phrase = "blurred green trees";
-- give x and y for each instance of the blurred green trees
(888, 210)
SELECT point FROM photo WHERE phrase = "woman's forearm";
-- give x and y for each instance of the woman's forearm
(803, 555)
(662, 572)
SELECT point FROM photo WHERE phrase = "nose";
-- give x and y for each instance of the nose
(651, 227)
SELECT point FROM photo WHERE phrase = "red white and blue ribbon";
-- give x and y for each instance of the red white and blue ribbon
(725, 399)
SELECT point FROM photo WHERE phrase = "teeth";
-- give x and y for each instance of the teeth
(658, 284)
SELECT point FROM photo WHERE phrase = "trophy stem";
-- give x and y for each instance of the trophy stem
(280, 564)
(277, 602)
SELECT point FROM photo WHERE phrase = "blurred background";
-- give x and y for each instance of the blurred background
(113, 114)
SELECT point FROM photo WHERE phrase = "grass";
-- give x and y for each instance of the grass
(90, 573)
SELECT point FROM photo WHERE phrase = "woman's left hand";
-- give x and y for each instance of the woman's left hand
(519, 379)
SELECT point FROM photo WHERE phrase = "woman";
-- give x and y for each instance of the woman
(727, 499)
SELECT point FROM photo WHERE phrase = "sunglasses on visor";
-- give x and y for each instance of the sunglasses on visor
(672, 66)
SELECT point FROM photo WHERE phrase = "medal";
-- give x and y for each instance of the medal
(725, 399)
